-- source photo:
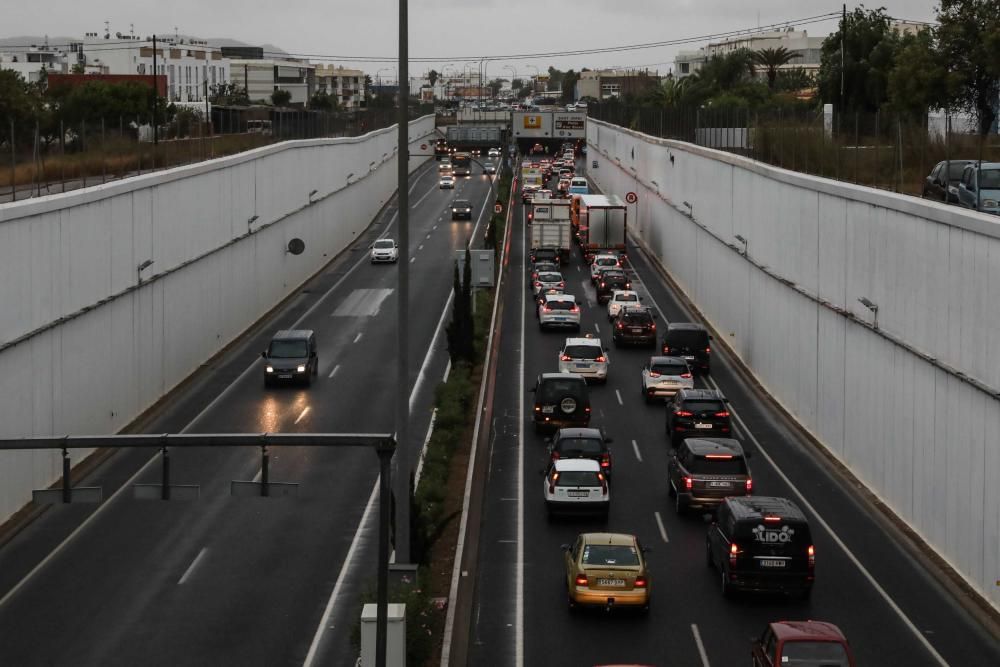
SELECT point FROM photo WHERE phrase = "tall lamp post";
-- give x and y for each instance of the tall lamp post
(513, 76)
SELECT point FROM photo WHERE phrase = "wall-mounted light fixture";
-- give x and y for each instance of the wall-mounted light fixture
(873, 307)
(252, 219)
(312, 193)
(690, 209)
(142, 267)
(746, 244)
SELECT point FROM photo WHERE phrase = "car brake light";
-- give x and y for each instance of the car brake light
(749, 485)
(653, 326)
(538, 408)
(654, 374)
(772, 519)
(724, 413)
(683, 413)
(604, 483)
(621, 326)
(666, 350)
(552, 482)
(628, 285)
(606, 461)
(686, 376)
(602, 283)
(581, 580)
(724, 457)
(548, 309)
(600, 359)
(811, 552)
(565, 357)
(587, 409)
(574, 309)
(734, 551)
(688, 483)
(555, 456)
(640, 582)
(538, 284)
(708, 350)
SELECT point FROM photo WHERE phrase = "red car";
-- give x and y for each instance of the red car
(805, 643)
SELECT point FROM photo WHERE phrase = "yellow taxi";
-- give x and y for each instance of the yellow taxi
(606, 570)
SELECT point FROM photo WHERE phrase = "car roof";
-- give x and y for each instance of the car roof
(292, 334)
(577, 465)
(706, 446)
(621, 539)
(578, 433)
(607, 254)
(753, 507)
(666, 360)
(463, 201)
(700, 394)
(562, 376)
(686, 326)
(814, 630)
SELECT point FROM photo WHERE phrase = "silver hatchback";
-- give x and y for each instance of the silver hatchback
(663, 377)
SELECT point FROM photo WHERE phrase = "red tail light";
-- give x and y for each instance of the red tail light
(640, 582)
(574, 309)
(688, 483)
(600, 359)
(548, 309)
(734, 551)
(538, 408)
(708, 350)
(654, 374)
(811, 552)
(562, 283)
(749, 486)
(604, 483)
(581, 580)
(565, 357)
(552, 482)
(606, 461)
(686, 376)
(683, 413)
(602, 283)
(628, 285)
(666, 350)
(555, 456)
(724, 413)
(621, 326)
(653, 326)
(587, 409)
(537, 284)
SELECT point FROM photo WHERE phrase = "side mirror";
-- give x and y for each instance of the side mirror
(711, 337)
(264, 354)
(671, 452)
(655, 314)
(548, 441)
(727, 400)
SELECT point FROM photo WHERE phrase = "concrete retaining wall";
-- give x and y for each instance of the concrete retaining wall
(910, 407)
(85, 348)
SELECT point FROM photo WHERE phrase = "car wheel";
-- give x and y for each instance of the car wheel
(670, 490)
(577, 329)
(308, 380)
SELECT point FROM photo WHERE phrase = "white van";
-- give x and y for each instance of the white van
(578, 186)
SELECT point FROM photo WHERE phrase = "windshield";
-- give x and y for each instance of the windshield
(383, 245)
(626, 297)
(552, 389)
(549, 277)
(955, 170)
(606, 261)
(582, 351)
(814, 654)
(578, 478)
(461, 203)
(577, 446)
(704, 406)
(703, 466)
(610, 554)
(287, 349)
(636, 318)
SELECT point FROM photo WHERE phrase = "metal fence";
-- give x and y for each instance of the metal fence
(882, 150)
(38, 161)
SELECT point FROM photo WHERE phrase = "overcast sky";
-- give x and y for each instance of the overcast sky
(446, 30)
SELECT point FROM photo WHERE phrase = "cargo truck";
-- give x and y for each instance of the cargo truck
(549, 221)
(473, 139)
(531, 182)
(600, 224)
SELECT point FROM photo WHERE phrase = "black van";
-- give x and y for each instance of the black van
(291, 357)
(762, 543)
(691, 341)
(562, 400)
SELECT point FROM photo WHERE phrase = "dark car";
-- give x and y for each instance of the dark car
(609, 281)
(801, 643)
(291, 357)
(697, 413)
(690, 341)
(545, 255)
(461, 209)
(761, 543)
(562, 400)
(942, 183)
(581, 443)
(702, 472)
(634, 325)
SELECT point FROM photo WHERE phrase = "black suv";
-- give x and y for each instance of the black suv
(561, 400)
(609, 281)
(461, 209)
(702, 472)
(691, 341)
(697, 413)
(760, 543)
(581, 443)
(634, 324)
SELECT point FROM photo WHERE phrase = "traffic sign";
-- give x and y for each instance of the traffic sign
(423, 147)
(498, 208)
(631, 198)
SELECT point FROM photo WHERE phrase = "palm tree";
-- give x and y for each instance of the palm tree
(771, 60)
(432, 77)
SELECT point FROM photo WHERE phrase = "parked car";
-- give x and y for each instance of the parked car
(801, 643)
(942, 183)
(979, 188)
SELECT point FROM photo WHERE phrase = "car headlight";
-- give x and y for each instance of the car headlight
(301, 368)
(270, 369)
(454, 210)
(990, 203)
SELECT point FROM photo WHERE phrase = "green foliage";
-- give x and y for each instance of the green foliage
(228, 94)
(20, 103)
(793, 80)
(969, 43)
(771, 60)
(460, 331)
(568, 86)
(517, 84)
(323, 102)
(280, 97)
(433, 76)
(919, 79)
(103, 100)
(869, 54)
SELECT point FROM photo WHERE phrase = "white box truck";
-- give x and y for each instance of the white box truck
(549, 221)
(600, 222)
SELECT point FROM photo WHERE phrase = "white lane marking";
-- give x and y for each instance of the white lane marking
(597, 327)
(358, 337)
(364, 302)
(519, 584)
(579, 268)
(225, 392)
(661, 526)
(423, 449)
(304, 413)
(428, 236)
(435, 226)
(194, 564)
(331, 603)
(412, 260)
(260, 473)
(475, 230)
(619, 395)
(701, 646)
(423, 197)
(826, 526)
(447, 371)
(635, 448)
(334, 371)
(420, 247)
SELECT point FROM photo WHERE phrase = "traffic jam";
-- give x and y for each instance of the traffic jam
(581, 286)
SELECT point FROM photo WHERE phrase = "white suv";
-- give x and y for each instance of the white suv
(384, 250)
(558, 310)
(576, 485)
(621, 298)
(602, 262)
(663, 377)
(584, 356)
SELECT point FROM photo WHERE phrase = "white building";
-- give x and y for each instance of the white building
(29, 62)
(346, 85)
(261, 77)
(808, 48)
(191, 66)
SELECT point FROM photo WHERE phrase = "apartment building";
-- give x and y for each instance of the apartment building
(262, 76)
(809, 50)
(603, 84)
(347, 86)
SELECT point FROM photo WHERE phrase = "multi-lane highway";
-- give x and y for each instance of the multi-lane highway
(240, 581)
(892, 609)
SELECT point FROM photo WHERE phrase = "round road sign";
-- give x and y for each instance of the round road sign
(631, 198)
(423, 147)
(498, 208)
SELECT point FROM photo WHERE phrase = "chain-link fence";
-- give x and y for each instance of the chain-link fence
(62, 156)
(882, 150)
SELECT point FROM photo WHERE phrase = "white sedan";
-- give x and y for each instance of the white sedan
(494, 152)
(384, 250)
(447, 182)
(602, 262)
(619, 299)
(548, 280)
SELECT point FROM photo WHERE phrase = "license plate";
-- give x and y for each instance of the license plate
(720, 485)
(772, 563)
(548, 409)
(583, 365)
(636, 331)
(610, 582)
(284, 377)
(560, 319)
(703, 426)
(578, 494)
(689, 358)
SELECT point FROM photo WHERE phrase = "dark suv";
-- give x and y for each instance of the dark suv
(698, 413)
(581, 443)
(461, 209)
(760, 543)
(691, 341)
(561, 400)
(702, 472)
(634, 324)
(609, 281)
